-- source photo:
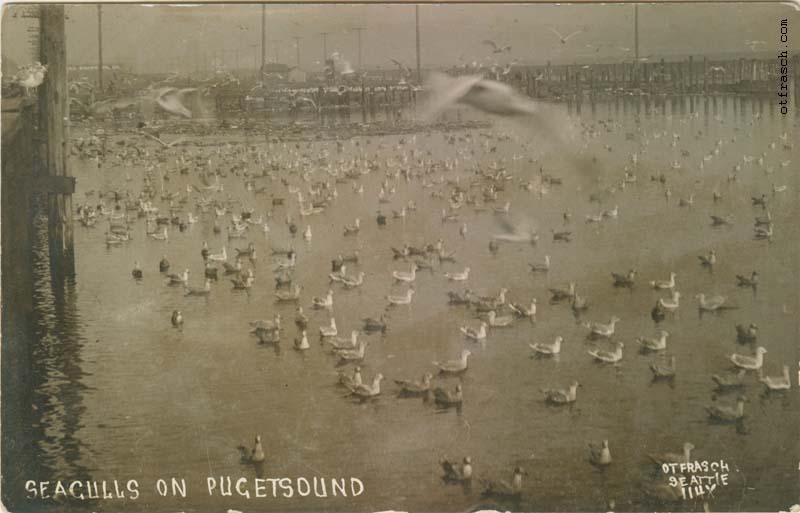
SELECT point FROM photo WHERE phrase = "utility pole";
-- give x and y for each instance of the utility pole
(324, 47)
(297, 47)
(419, 69)
(100, 48)
(636, 32)
(277, 44)
(263, 36)
(359, 29)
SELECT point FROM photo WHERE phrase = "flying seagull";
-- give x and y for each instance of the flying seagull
(486, 95)
(564, 39)
(171, 100)
(497, 99)
(403, 68)
(495, 48)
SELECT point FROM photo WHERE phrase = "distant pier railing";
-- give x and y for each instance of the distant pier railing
(689, 76)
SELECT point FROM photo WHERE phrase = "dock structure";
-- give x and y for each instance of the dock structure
(35, 174)
(692, 75)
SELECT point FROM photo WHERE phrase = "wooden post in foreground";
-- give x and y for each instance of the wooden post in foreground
(54, 176)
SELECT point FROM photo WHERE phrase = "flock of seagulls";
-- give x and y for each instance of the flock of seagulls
(288, 190)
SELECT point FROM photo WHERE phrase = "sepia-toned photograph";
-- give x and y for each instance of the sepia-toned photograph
(425, 258)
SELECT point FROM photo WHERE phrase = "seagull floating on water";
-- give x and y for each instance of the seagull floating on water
(608, 356)
(749, 362)
(727, 413)
(600, 456)
(561, 396)
(454, 366)
(548, 349)
(782, 382)
(654, 344)
(664, 284)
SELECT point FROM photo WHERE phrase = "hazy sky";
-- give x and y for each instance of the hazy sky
(163, 37)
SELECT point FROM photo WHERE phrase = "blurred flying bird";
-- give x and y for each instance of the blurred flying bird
(171, 100)
(566, 38)
(496, 48)
(495, 98)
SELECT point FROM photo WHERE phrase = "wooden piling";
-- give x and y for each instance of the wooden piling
(54, 110)
(363, 104)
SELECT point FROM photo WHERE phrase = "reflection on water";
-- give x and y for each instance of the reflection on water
(57, 369)
(123, 394)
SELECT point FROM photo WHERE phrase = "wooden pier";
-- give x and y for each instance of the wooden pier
(387, 100)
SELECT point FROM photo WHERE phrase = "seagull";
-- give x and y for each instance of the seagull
(499, 322)
(608, 356)
(351, 381)
(348, 343)
(624, 280)
(663, 370)
(561, 294)
(462, 276)
(454, 366)
(520, 310)
(541, 267)
(598, 329)
(256, 455)
(495, 47)
(548, 349)
(302, 344)
(171, 100)
(205, 291)
(749, 362)
(401, 300)
(746, 333)
(454, 473)
(745, 281)
(409, 387)
(403, 68)
(501, 488)
(561, 396)
(363, 391)
(444, 397)
(654, 344)
(31, 76)
(600, 455)
(475, 334)
(727, 413)
(730, 380)
(328, 331)
(720, 220)
(776, 383)
(708, 261)
(712, 303)
(137, 271)
(566, 38)
(494, 98)
(670, 305)
(664, 284)
(407, 277)
(177, 318)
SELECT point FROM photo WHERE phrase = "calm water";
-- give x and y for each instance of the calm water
(127, 396)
